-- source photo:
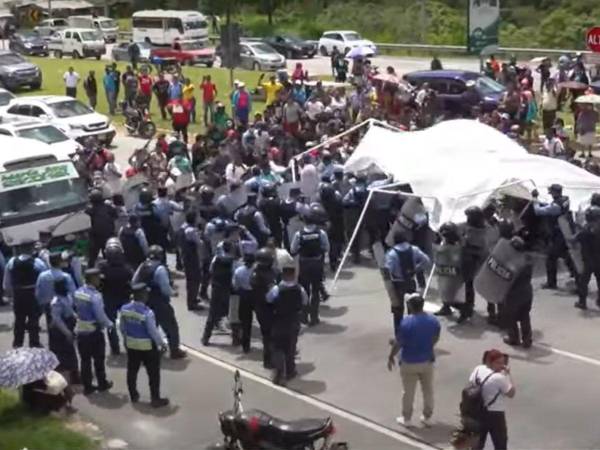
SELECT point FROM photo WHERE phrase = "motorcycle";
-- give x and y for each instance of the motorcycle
(138, 121)
(257, 430)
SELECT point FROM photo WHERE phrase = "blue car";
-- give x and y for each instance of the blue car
(451, 87)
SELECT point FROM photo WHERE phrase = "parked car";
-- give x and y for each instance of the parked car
(187, 52)
(28, 43)
(257, 55)
(120, 52)
(40, 131)
(344, 41)
(5, 98)
(77, 120)
(77, 42)
(16, 71)
(48, 27)
(451, 87)
(292, 47)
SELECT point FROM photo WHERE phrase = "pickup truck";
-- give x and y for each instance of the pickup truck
(187, 52)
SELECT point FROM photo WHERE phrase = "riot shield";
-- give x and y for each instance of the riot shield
(379, 253)
(448, 272)
(497, 275)
(294, 225)
(573, 246)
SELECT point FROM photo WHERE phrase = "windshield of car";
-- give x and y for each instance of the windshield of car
(191, 45)
(293, 40)
(70, 108)
(5, 98)
(352, 36)
(58, 23)
(90, 36)
(44, 133)
(27, 35)
(487, 86)
(11, 58)
(195, 24)
(108, 23)
(262, 49)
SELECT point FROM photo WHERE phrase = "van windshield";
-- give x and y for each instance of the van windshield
(70, 108)
(109, 23)
(90, 36)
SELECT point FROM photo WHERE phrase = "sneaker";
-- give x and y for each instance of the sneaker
(134, 398)
(404, 422)
(105, 386)
(511, 342)
(548, 286)
(463, 318)
(89, 390)
(580, 305)
(426, 421)
(527, 344)
(178, 354)
(159, 402)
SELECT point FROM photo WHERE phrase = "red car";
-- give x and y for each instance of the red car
(187, 52)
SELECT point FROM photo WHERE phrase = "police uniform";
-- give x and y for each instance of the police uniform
(517, 307)
(254, 221)
(589, 240)
(241, 285)
(61, 332)
(142, 341)
(192, 249)
(263, 277)
(134, 243)
(311, 244)
(20, 277)
(288, 300)
(149, 220)
(91, 319)
(221, 270)
(354, 202)
(270, 206)
(102, 218)
(331, 199)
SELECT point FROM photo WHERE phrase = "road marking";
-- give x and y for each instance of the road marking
(358, 420)
(575, 356)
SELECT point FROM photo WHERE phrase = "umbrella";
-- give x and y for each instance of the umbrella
(360, 51)
(25, 365)
(572, 85)
(589, 98)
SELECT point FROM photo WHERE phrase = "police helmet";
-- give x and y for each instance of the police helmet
(96, 196)
(555, 189)
(146, 196)
(264, 257)
(113, 253)
(449, 230)
(156, 252)
(592, 214)
(517, 243)
(207, 192)
(269, 190)
(316, 214)
(475, 216)
(595, 200)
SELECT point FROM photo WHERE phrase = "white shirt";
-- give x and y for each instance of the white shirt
(549, 100)
(314, 108)
(234, 173)
(338, 104)
(71, 79)
(554, 147)
(309, 181)
(497, 385)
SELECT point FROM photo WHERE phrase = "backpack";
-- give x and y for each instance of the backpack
(472, 404)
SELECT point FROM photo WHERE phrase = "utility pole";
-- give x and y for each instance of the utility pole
(49, 9)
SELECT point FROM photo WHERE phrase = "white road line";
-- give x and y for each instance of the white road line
(575, 356)
(314, 402)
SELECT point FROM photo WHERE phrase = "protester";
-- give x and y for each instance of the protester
(209, 95)
(71, 79)
(91, 89)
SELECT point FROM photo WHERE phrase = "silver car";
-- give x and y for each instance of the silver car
(260, 56)
(120, 52)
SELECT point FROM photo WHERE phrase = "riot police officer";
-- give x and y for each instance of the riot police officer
(589, 241)
(192, 250)
(354, 201)
(155, 275)
(44, 286)
(144, 344)
(149, 220)
(263, 277)
(164, 208)
(270, 206)
(402, 262)
(20, 277)
(291, 211)
(311, 244)
(221, 271)
(61, 333)
(102, 216)
(91, 319)
(242, 287)
(331, 199)
(249, 216)
(206, 207)
(288, 300)
(117, 276)
(448, 267)
(556, 246)
(134, 242)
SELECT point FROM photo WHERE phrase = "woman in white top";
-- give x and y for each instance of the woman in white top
(496, 384)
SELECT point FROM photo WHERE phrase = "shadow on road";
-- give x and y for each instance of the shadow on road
(326, 328)
(146, 408)
(108, 400)
(175, 365)
(332, 311)
(309, 387)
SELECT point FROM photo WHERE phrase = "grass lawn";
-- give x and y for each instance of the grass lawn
(19, 429)
(53, 70)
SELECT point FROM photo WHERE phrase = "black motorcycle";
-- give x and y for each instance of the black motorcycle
(258, 430)
(138, 121)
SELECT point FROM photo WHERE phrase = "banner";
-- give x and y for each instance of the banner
(483, 25)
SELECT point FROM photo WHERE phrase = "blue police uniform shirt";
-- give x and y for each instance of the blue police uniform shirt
(138, 324)
(160, 279)
(324, 240)
(61, 309)
(164, 208)
(38, 266)
(44, 288)
(416, 336)
(90, 310)
(273, 293)
(552, 209)
(394, 265)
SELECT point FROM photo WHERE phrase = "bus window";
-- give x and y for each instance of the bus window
(175, 24)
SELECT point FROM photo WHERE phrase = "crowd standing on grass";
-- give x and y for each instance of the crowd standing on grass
(250, 249)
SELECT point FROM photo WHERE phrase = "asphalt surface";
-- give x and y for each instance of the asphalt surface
(342, 365)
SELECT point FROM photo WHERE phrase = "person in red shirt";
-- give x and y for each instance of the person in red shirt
(209, 94)
(145, 88)
(180, 117)
(299, 73)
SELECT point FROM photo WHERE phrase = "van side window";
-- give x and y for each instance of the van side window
(68, 35)
(77, 37)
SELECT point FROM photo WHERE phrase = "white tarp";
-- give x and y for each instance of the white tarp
(462, 163)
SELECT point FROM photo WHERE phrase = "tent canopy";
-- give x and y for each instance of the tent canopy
(462, 163)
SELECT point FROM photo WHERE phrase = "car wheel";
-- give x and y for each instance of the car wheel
(148, 130)
(209, 64)
(58, 54)
(256, 66)
(98, 57)
(36, 86)
(323, 50)
(75, 54)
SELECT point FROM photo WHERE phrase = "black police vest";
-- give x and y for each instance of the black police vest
(102, 220)
(222, 270)
(270, 207)
(246, 218)
(23, 273)
(131, 247)
(360, 196)
(261, 279)
(189, 249)
(149, 221)
(207, 211)
(146, 275)
(288, 210)
(310, 244)
(288, 304)
(117, 279)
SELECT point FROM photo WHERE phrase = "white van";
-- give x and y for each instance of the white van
(77, 42)
(40, 191)
(108, 28)
(162, 27)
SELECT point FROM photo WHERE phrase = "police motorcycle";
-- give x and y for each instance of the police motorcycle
(138, 121)
(254, 429)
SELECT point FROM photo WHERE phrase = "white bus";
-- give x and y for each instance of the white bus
(162, 27)
(40, 190)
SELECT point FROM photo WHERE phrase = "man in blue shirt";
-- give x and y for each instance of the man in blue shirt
(242, 287)
(110, 88)
(417, 335)
(44, 287)
(175, 89)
